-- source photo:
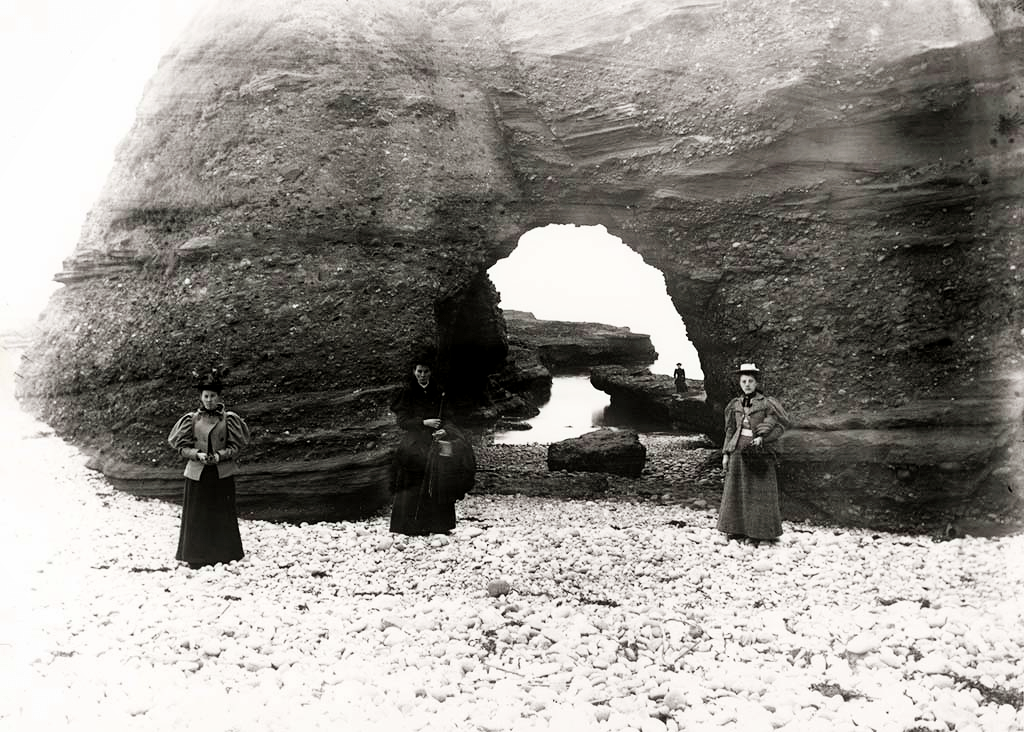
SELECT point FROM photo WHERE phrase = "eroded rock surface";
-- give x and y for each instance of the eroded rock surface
(312, 193)
(618, 452)
(573, 347)
(939, 462)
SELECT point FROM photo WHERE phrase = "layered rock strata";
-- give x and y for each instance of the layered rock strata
(936, 464)
(312, 193)
(575, 347)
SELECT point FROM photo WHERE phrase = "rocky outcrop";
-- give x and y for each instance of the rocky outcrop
(525, 380)
(329, 489)
(641, 398)
(570, 347)
(618, 452)
(539, 348)
(313, 193)
(950, 458)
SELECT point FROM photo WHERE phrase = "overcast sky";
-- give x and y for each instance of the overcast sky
(72, 73)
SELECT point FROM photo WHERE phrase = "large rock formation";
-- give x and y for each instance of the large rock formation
(314, 191)
(574, 347)
(927, 465)
(650, 401)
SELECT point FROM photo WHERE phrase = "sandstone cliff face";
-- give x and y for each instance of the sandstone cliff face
(314, 191)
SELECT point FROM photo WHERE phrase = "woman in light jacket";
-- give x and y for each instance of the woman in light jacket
(209, 438)
(753, 424)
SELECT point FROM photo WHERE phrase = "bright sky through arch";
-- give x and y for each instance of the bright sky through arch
(583, 273)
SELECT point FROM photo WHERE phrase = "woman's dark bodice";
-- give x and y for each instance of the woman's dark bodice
(416, 404)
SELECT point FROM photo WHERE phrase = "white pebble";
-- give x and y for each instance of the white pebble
(862, 643)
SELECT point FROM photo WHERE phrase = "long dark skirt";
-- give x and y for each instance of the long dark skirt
(209, 521)
(750, 501)
(414, 512)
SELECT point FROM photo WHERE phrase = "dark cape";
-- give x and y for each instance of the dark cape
(426, 480)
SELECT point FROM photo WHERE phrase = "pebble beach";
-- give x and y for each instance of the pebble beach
(534, 614)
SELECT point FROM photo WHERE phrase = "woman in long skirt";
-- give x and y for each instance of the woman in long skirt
(427, 479)
(210, 439)
(753, 424)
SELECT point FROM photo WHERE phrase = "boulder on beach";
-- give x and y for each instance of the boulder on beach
(602, 451)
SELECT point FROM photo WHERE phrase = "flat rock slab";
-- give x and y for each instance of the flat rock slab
(619, 452)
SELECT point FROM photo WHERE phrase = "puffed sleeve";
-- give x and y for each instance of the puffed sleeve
(730, 423)
(238, 436)
(182, 438)
(777, 419)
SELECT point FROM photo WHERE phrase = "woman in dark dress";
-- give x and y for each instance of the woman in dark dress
(434, 464)
(753, 424)
(679, 377)
(209, 439)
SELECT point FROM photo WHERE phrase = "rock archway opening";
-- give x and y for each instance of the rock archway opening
(585, 274)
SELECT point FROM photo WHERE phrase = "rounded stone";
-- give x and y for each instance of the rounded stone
(498, 587)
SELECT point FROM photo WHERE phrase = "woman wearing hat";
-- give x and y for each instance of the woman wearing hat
(434, 464)
(753, 424)
(209, 438)
(679, 377)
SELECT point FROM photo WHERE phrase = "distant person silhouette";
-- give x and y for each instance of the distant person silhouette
(679, 376)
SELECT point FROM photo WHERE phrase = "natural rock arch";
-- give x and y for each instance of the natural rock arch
(584, 273)
(312, 191)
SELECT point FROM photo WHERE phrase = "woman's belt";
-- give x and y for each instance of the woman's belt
(746, 433)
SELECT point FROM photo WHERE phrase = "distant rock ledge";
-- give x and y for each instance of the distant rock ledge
(650, 400)
(539, 348)
(565, 346)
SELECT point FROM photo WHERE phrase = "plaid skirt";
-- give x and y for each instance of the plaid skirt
(750, 501)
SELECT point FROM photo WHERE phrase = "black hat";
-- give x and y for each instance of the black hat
(211, 380)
